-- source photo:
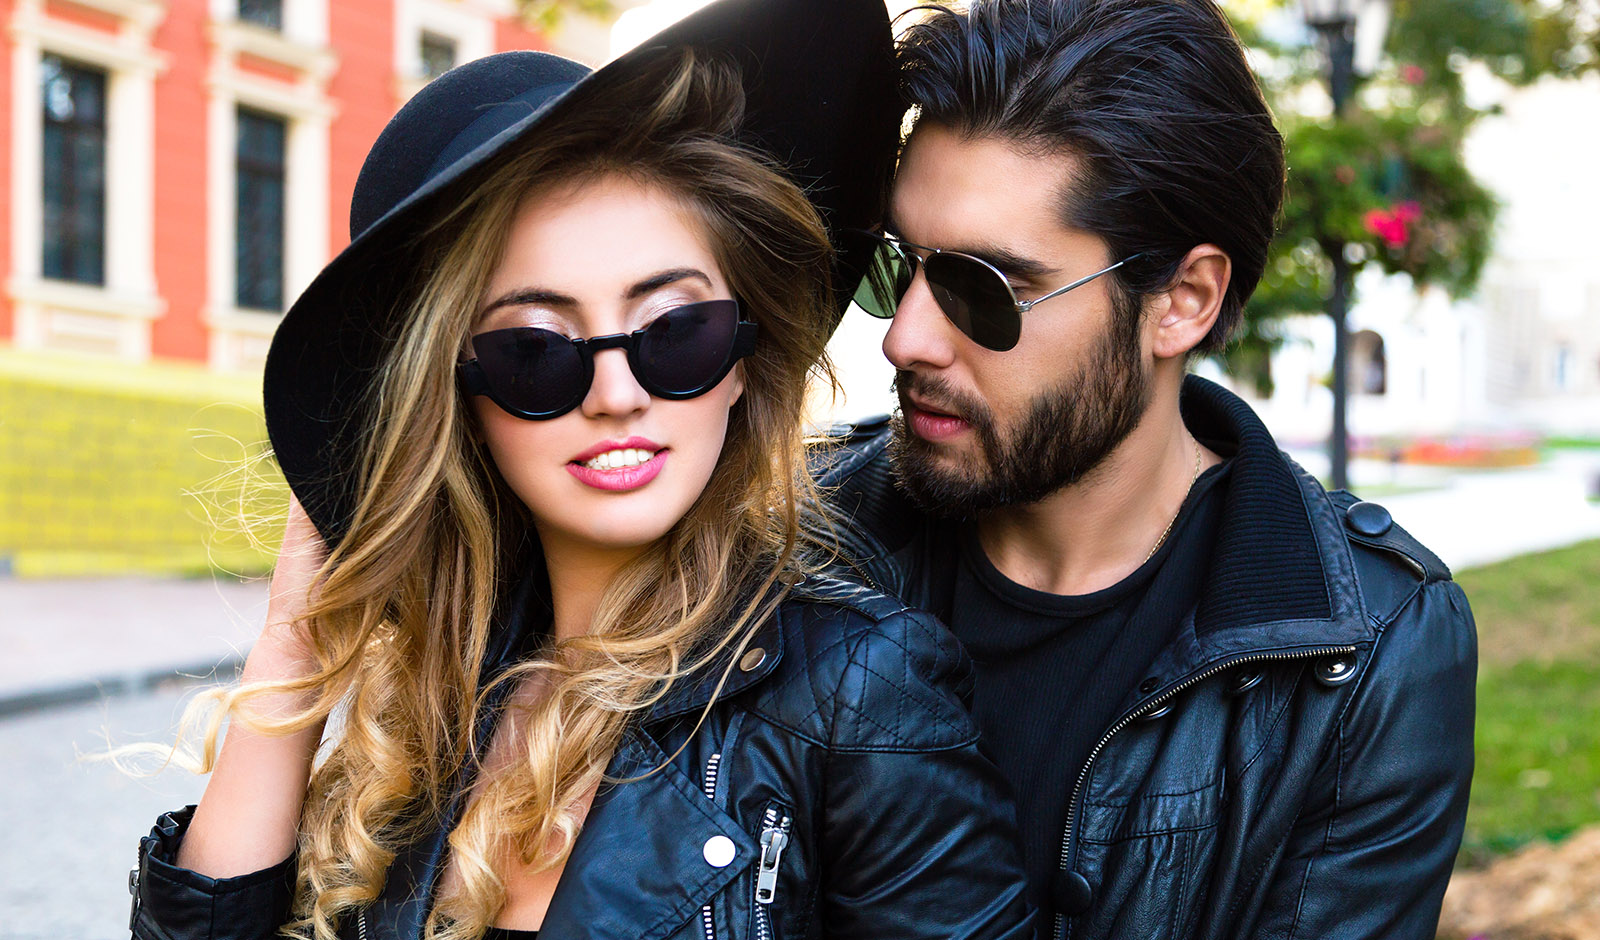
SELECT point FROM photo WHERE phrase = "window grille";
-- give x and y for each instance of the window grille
(268, 13)
(74, 108)
(438, 55)
(259, 211)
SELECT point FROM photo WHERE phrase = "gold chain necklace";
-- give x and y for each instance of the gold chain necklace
(1174, 521)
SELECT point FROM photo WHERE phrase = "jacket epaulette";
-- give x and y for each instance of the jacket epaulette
(1382, 549)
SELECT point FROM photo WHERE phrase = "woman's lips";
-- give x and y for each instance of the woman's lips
(620, 478)
(934, 425)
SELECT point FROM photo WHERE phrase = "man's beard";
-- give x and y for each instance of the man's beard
(1062, 434)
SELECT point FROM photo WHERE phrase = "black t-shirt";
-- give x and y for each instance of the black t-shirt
(1054, 671)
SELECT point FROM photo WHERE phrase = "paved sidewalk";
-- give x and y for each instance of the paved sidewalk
(1477, 517)
(75, 640)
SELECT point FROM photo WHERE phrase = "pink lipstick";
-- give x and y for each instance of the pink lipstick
(619, 466)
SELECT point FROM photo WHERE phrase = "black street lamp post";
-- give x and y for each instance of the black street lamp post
(1335, 24)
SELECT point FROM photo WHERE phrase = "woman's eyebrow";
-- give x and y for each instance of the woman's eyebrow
(536, 296)
(529, 296)
(671, 276)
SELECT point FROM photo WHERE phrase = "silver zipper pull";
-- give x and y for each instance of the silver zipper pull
(774, 839)
(133, 889)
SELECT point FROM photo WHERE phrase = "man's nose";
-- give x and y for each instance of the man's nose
(920, 334)
(615, 390)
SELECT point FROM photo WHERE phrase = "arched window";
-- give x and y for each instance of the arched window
(1369, 366)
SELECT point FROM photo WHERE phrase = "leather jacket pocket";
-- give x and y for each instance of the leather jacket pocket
(1122, 875)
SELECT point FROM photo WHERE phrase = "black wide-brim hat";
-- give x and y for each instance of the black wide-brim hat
(821, 100)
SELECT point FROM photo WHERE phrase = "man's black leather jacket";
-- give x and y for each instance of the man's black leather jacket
(843, 728)
(1297, 762)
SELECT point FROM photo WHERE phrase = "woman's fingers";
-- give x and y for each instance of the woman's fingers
(300, 557)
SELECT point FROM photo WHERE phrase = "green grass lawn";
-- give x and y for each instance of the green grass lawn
(1538, 734)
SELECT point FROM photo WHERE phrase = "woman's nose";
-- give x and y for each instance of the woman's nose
(615, 390)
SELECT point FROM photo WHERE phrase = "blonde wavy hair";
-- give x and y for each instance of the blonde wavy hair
(403, 609)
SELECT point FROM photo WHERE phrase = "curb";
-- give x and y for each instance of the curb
(78, 691)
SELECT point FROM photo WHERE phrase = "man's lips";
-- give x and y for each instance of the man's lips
(931, 424)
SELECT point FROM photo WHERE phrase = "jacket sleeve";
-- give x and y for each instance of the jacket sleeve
(919, 838)
(1374, 859)
(172, 903)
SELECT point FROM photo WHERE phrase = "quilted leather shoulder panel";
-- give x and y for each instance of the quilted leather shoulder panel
(861, 672)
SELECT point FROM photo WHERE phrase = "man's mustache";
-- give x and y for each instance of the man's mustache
(935, 394)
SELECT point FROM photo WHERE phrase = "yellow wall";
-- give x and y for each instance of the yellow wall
(111, 468)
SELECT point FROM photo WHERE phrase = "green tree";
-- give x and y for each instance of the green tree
(1385, 182)
(548, 14)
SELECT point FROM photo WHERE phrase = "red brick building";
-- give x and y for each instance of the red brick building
(175, 171)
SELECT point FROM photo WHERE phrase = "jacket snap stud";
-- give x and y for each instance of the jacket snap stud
(1368, 519)
(1161, 712)
(1243, 681)
(1070, 892)
(1336, 670)
(719, 851)
(1149, 685)
(752, 658)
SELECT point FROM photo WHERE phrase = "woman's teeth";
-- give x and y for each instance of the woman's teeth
(619, 459)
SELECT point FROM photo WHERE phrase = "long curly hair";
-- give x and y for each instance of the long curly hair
(402, 611)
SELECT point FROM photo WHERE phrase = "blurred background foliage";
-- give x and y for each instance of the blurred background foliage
(547, 15)
(1387, 179)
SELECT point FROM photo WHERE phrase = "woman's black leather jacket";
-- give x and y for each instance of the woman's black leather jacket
(834, 790)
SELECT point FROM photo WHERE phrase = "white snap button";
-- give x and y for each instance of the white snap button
(719, 851)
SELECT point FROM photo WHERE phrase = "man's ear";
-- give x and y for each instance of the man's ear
(1192, 301)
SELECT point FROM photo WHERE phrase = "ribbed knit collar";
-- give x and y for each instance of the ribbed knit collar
(1281, 573)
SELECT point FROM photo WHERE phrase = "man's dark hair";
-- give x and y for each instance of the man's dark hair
(1153, 98)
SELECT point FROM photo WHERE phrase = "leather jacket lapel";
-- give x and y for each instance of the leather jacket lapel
(626, 878)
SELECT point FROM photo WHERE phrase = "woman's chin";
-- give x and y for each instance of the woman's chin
(619, 529)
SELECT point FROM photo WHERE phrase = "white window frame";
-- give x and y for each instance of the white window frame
(470, 24)
(238, 337)
(116, 317)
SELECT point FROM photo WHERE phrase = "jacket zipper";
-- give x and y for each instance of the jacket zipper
(361, 925)
(1060, 931)
(709, 785)
(133, 889)
(774, 839)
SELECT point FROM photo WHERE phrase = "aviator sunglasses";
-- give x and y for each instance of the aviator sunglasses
(539, 374)
(973, 294)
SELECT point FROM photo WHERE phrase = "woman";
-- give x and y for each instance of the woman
(545, 415)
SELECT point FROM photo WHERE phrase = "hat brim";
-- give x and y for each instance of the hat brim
(821, 99)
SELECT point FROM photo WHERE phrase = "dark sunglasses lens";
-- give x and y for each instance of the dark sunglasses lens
(687, 350)
(885, 278)
(531, 370)
(975, 299)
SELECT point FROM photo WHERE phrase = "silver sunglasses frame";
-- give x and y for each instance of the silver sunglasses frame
(1022, 306)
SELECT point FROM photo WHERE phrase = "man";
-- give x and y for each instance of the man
(1230, 703)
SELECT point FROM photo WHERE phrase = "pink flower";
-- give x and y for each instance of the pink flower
(1412, 74)
(1408, 211)
(1387, 226)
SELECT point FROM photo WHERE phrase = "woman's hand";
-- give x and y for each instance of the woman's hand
(300, 557)
(250, 813)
